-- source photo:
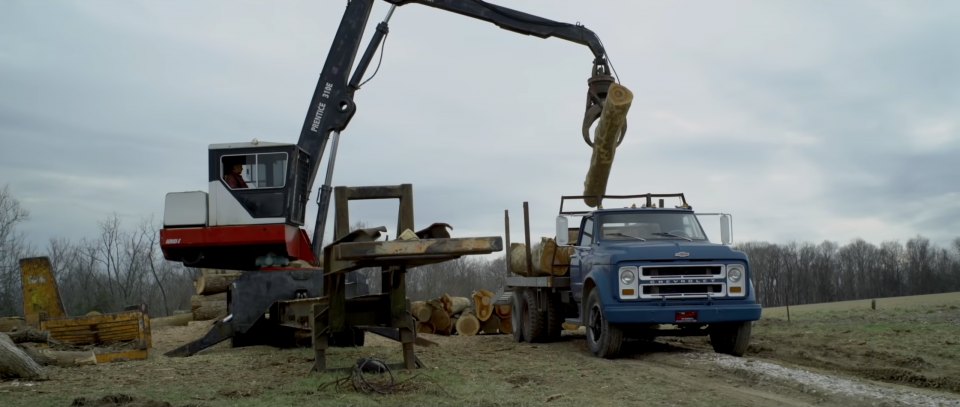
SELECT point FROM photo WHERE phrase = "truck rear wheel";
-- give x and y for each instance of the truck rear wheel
(731, 338)
(603, 338)
(534, 320)
(518, 311)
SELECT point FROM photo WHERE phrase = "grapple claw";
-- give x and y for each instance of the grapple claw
(597, 87)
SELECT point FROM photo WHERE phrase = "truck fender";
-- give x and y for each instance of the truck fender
(597, 279)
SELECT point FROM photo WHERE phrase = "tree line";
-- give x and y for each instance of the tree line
(804, 273)
(119, 267)
(123, 266)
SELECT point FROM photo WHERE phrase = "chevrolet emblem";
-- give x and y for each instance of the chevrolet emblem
(681, 254)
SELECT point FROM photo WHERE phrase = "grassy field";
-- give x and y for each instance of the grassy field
(909, 342)
(924, 302)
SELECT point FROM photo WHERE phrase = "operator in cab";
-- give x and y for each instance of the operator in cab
(233, 178)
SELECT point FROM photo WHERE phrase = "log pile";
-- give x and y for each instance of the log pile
(550, 260)
(210, 301)
(451, 315)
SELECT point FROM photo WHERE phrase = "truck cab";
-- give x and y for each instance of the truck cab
(643, 271)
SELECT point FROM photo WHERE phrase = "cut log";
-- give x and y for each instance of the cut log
(518, 258)
(561, 261)
(491, 326)
(425, 327)
(506, 325)
(468, 325)
(440, 321)
(612, 121)
(502, 310)
(48, 357)
(205, 307)
(210, 310)
(207, 284)
(14, 362)
(29, 335)
(555, 260)
(483, 304)
(455, 305)
(434, 304)
(421, 311)
(181, 319)
(198, 301)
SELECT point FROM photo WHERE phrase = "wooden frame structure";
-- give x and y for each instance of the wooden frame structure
(387, 313)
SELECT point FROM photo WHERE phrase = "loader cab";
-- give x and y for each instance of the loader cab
(244, 223)
(256, 182)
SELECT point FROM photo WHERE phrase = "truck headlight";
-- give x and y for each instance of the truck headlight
(734, 273)
(628, 277)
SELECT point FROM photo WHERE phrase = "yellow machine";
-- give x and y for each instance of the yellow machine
(43, 309)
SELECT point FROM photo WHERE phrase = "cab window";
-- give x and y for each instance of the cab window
(586, 233)
(261, 170)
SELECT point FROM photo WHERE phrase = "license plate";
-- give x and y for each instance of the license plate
(686, 316)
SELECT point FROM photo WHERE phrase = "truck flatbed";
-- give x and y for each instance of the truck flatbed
(539, 282)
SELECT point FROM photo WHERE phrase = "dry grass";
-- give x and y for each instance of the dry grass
(909, 341)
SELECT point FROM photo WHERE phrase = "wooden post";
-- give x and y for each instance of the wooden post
(526, 236)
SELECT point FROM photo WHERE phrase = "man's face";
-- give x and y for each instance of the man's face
(237, 168)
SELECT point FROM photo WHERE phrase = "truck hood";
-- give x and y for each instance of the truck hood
(665, 250)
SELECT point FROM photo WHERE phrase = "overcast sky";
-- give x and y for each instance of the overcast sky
(807, 120)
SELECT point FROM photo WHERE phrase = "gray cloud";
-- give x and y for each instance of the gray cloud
(808, 121)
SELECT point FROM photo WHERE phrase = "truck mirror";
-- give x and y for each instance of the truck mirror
(726, 229)
(562, 232)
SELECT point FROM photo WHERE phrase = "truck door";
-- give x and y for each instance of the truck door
(579, 269)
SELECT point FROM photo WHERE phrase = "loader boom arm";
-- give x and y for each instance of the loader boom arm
(332, 105)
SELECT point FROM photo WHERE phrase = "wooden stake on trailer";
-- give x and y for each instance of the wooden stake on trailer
(526, 236)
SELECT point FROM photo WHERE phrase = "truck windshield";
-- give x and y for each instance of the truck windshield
(650, 226)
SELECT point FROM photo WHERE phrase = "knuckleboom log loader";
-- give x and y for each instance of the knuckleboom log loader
(252, 216)
(639, 271)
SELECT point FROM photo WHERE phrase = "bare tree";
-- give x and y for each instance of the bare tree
(890, 270)
(918, 265)
(12, 248)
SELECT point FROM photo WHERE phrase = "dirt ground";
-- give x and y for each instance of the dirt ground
(894, 355)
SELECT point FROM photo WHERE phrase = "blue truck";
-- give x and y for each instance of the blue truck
(640, 271)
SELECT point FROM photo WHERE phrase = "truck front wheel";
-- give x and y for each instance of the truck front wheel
(603, 338)
(731, 338)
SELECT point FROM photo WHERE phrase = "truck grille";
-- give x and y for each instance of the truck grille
(682, 281)
(672, 271)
